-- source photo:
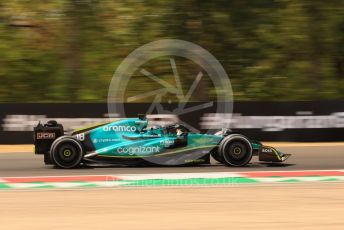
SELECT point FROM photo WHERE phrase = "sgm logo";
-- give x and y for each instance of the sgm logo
(120, 128)
(265, 150)
(41, 136)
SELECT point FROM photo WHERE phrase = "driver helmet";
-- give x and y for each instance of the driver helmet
(179, 132)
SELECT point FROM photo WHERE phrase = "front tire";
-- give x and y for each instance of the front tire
(66, 152)
(236, 150)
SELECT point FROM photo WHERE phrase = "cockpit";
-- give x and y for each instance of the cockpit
(176, 130)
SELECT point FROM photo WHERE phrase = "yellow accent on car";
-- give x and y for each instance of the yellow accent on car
(276, 153)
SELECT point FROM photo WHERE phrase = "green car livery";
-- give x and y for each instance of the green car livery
(132, 142)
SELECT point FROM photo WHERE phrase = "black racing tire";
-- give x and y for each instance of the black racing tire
(216, 155)
(236, 150)
(66, 152)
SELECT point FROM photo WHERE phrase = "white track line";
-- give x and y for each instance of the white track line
(174, 175)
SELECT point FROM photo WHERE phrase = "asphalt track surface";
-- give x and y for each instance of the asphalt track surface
(298, 206)
(306, 157)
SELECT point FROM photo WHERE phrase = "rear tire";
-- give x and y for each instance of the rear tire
(236, 150)
(66, 152)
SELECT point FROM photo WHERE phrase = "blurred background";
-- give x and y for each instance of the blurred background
(273, 50)
(285, 60)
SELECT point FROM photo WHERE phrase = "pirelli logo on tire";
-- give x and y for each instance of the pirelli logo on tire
(45, 136)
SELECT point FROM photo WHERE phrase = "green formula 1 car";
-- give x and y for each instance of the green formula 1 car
(130, 142)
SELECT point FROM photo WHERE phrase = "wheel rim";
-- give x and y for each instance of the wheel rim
(67, 155)
(67, 152)
(237, 153)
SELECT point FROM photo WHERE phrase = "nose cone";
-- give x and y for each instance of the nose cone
(284, 156)
(270, 154)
